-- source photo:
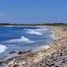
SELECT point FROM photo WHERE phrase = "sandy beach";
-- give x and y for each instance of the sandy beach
(54, 56)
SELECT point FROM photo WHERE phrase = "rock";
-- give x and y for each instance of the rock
(56, 66)
(61, 54)
(12, 52)
(23, 52)
(16, 65)
(20, 52)
(55, 56)
(1, 62)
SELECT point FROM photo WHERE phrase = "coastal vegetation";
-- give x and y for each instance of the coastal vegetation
(43, 24)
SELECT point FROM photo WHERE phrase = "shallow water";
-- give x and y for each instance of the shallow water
(23, 38)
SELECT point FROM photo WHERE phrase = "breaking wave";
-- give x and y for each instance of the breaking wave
(30, 31)
(53, 36)
(21, 40)
(2, 48)
(41, 48)
(39, 31)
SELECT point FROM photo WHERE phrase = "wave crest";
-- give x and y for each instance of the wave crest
(39, 31)
(2, 48)
(30, 31)
(21, 40)
(41, 48)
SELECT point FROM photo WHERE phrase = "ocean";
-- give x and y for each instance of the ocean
(23, 39)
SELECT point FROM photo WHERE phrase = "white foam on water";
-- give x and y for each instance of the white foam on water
(38, 31)
(24, 39)
(2, 48)
(41, 48)
(21, 40)
(30, 31)
(53, 36)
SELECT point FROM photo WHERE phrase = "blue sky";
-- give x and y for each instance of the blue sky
(33, 11)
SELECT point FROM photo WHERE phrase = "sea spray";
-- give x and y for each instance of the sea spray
(41, 48)
(22, 39)
(2, 48)
(38, 31)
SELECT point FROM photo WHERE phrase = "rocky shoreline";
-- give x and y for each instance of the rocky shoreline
(54, 56)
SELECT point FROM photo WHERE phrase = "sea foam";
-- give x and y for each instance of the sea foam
(20, 40)
(41, 48)
(2, 48)
(30, 31)
(53, 36)
(38, 31)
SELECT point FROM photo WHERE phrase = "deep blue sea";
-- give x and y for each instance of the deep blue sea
(23, 39)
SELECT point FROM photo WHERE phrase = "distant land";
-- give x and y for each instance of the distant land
(9, 24)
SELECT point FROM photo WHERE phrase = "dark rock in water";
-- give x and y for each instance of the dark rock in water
(1, 62)
(20, 52)
(12, 52)
(23, 52)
